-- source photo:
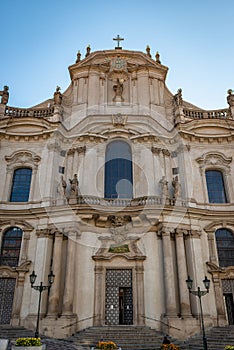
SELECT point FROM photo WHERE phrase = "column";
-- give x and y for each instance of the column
(211, 243)
(18, 297)
(69, 164)
(170, 295)
(7, 186)
(167, 165)
(53, 308)
(69, 278)
(140, 294)
(24, 249)
(221, 317)
(75, 91)
(182, 273)
(33, 184)
(75, 163)
(98, 299)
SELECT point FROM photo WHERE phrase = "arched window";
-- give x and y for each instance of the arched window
(118, 170)
(21, 185)
(11, 243)
(215, 186)
(225, 247)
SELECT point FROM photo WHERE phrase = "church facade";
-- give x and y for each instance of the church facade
(123, 190)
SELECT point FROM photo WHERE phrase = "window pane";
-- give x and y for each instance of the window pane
(21, 185)
(118, 170)
(225, 247)
(10, 249)
(215, 186)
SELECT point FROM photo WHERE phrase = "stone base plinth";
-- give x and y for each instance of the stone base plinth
(42, 347)
(59, 328)
(183, 327)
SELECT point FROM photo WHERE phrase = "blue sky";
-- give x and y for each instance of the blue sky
(40, 39)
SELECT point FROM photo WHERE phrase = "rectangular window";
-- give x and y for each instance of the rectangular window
(61, 169)
(215, 186)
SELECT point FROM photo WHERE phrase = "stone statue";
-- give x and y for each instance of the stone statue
(230, 98)
(178, 100)
(62, 187)
(157, 57)
(58, 96)
(74, 186)
(78, 56)
(5, 95)
(177, 188)
(88, 49)
(118, 89)
(148, 51)
(164, 187)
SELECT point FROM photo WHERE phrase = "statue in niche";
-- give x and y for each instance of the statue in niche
(58, 96)
(164, 187)
(5, 95)
(62, 187)
(118, 89)
(230, 98)
(176, 187)
(74, 186)
(178, 100)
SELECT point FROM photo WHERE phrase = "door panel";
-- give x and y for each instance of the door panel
(7, 289)
(119, 301)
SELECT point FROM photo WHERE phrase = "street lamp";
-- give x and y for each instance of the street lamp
(40, 288)
(200, 293)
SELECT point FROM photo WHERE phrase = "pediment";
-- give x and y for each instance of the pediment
(108, 61)
(209, 128)
(25, 127)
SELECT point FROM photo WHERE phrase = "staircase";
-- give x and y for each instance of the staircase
(126, 337)
(217, 339)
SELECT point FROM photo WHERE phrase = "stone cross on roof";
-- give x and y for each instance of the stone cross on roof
(118, 39)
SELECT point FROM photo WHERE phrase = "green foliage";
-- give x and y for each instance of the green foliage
(229, 347)
(28, 342)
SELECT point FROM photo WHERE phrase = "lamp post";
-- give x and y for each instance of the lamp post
(40, 288)
(200, 293)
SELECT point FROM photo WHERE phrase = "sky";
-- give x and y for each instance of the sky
(40, 39)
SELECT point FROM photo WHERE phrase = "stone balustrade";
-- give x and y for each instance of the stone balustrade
(119, 202)
(215, 114)
(13, 112)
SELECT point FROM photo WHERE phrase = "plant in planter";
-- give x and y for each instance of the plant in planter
(28, 344)
(106, 345)
(169, 347)
(229, 347)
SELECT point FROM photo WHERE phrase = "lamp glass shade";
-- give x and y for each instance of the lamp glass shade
(51, 277)
(189, 282)
(33, 277)
(206, 282)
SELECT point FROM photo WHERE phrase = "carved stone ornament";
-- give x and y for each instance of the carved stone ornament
(214, 159)
(129, 250)
(118, 69)
(119, 234)
(23, 158)
(119, 119)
